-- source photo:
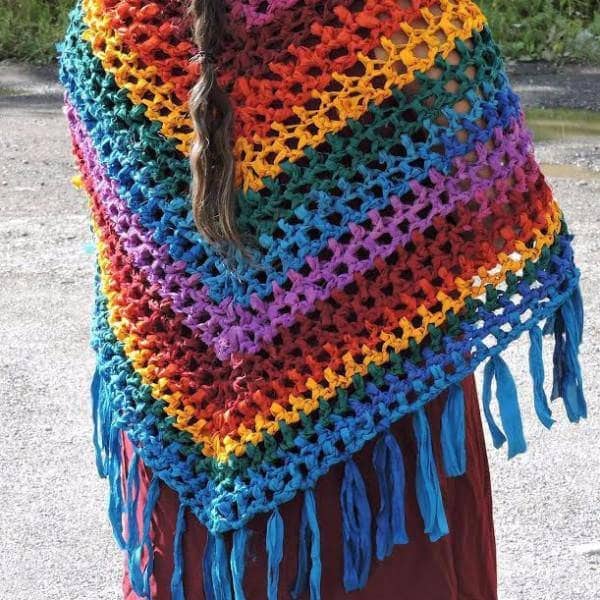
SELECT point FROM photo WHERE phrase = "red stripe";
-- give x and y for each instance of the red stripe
(261, 79)
(344, 322)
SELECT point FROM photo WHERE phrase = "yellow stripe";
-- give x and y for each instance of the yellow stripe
(213, 445)
(451, 20)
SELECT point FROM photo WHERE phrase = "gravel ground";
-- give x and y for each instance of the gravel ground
(56, 539)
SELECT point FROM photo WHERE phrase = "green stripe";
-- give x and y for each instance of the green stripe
(264, 452)
(358, 146)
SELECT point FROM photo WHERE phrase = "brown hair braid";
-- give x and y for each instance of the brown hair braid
(211, 159)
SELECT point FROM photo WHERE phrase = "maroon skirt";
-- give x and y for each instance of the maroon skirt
(459, 566)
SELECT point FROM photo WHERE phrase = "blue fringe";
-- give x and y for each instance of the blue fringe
(274, 553)
(221, 570)
(177, 591)
(105, 422)
(454, 451)
(134, 548)
(136, 575)
(558, 357)
(224, 574)
(97, 390)
(510, 415)
(536, 368)
(315, 545)
(133, 488)
(151, 499)
(115, 501)
(391, 518)
(549, 325)
(578, 313)
(207, 562)
(309, 544)
(238, 562)
(489, 370)
(356, 528)
(568, 333)
(301, 582)
(429, 493)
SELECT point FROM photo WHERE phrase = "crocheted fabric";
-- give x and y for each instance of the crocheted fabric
(405, 234)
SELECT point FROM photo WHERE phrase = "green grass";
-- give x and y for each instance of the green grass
(555, 30)
(29, 29)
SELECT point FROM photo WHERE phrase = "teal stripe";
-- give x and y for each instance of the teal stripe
(155, 176)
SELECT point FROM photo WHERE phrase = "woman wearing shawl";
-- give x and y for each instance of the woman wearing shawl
(314, 220)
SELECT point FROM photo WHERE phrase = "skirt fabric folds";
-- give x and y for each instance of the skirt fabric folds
(460, 566)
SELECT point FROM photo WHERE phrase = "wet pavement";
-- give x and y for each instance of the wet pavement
(55, 534)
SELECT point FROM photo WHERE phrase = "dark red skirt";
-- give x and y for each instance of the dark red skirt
(460, 566)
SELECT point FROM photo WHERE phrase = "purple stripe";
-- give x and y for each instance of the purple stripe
(248, 9)
(229, 327)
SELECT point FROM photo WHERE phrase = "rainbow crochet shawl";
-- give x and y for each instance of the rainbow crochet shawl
(405, 235)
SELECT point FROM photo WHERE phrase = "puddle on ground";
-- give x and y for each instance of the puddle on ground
(570, 172)
(6, 91)
(562, 124)
(556, 126)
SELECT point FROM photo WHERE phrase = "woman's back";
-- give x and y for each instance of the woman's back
(399, 233)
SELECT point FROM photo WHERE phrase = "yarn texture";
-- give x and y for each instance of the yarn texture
(404, 234)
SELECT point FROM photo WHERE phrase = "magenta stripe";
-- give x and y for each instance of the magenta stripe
(249, 10)
(228, 326)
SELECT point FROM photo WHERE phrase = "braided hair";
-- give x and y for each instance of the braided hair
(211, 159)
